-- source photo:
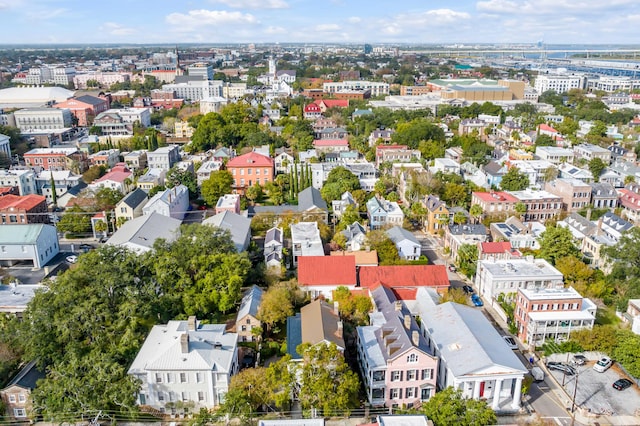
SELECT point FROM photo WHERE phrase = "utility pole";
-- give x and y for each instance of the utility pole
(573, 401)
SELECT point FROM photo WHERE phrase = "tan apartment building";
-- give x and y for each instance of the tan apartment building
(575, 193)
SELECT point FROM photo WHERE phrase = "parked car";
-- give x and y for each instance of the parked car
(603, 364)
(452, 268)
(561, 366)
(622, 384)
(476, 300)
(468, 289)
(578, 359)
(537, 373)
(511, 342)
(72, 259)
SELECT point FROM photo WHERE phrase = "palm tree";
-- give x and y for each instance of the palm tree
(476, 212)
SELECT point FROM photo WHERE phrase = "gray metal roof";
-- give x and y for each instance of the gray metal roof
(142, 232)
(389, 329)
(467, 341)
(162, 349)
(27, 377)
(310, 198)
(398, 234)
(238, 225)
(250, 302)
(294, 335)
(134, 198)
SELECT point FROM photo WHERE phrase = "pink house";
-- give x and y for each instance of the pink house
(119, 178)
(228, 203)
(395, 360)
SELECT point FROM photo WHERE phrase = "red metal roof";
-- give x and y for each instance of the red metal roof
(330, 142)
(330, 103)
(496, 196)
(404, 276)
(405, 293)
(327, 270)
(496, 247)
(251, 159)
(547, 128)
(26, 202)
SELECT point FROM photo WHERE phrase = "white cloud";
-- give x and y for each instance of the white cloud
(497, 6)
(354, 20)
(275, 30)
(254, 4)
(117, 29)
(203, 17)
(327, 27)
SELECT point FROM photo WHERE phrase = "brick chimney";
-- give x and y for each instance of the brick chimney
(407, 321)
(191, 323)
(184, 343)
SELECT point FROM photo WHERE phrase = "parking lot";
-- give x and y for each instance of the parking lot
(595, 391)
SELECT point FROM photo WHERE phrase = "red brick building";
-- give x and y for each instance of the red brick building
(85, 108)
(15, 209)
(250, 169)
(57, 159)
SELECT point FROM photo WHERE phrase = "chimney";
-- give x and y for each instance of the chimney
(599, 230)
(339, 331)
(415, 337)
(184, 343)
(588, 214)
(336, 309)
(191, 323)
(407, 321)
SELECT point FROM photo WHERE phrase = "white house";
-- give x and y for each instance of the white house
(473, 356)
(186, 361)
(382, 212)
(164, 157)
(172, 202)
(273, 245)
(139, 234)
(305, 240)
(407, 244)
(494, 277)
(24, 180)
(35, 243)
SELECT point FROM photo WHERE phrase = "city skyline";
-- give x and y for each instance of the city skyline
(331, 21)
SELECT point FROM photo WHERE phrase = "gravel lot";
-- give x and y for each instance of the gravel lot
(595, 391)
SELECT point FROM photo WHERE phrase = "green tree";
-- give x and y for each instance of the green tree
(555, 243)
(339, 180)
(545, 140)
(202, 268)
(107, 198)
(596, 167)
(449, 408)
(218, 184)
(459, 218)
(75, 221)
(476, 212)
(520, 208)
(468, 259)
(54, 193)
(93, 173)
(349, 216)
(387, 250)
(514, 180)
(624, 258)
(254, 193)
(326, 380)
(176, 176)
(353, 308)
(276, 305)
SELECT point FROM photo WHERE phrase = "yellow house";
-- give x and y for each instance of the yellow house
(437, 214)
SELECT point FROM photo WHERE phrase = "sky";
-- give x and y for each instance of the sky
(326, 21)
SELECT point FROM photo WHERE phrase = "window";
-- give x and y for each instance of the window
(158, 378)
(12, 398)
(410, 393)
(241, 172)
(427, 374)
(248, 321)
(412, 374)
(19, 412)
(257, 171)
(169, 377)
(394, 393)
(160, 396)
(249, 171)
(425, 394)
(266, 172)
(183, 377)
(185, 396)
(198, 377)
(412, 358)
(396, 376)
(21, 398)
(244, 328)
(200, 396)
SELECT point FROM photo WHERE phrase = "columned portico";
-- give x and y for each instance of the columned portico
(496, 394)
(476, 389)
(517, 391)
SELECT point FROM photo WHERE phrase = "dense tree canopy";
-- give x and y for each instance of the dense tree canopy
(514, 180)
(340, 179)
(218, 184)
(557, 242)
(449, 408)
(624, 259)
